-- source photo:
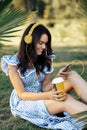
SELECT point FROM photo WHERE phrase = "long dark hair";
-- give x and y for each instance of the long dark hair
(39, 62)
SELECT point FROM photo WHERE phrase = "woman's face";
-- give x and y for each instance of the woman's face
(42, 44)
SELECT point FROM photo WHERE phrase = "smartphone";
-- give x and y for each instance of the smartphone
(67, 67)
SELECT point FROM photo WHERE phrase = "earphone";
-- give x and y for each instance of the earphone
(28, 37)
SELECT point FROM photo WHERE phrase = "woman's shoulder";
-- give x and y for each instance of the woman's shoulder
(48, 71)
(8, 59)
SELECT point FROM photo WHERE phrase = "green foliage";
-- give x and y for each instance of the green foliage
(83, 7)
(10, 19)
(4, 4)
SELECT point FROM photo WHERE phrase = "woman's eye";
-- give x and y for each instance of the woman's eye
(41, 43)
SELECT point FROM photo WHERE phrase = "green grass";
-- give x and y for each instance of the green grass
(68, 54)
(7, 121)
(65, 54)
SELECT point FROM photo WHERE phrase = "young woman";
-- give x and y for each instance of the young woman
(34, 97)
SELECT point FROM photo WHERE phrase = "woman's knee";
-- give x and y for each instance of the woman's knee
(72, 74)
(69, 102)
(54, 106)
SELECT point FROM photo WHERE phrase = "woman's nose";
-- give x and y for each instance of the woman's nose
(43, 46)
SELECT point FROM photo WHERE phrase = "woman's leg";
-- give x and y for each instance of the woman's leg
(77, 83)
(69, 105)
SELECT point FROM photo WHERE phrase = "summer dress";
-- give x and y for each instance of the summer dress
(35, 111)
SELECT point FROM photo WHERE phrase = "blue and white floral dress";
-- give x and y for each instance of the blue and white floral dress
(34, 111)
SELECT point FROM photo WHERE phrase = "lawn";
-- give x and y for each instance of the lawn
(69, 44)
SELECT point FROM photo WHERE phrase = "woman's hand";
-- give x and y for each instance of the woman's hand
(55, 95)
(63, 72)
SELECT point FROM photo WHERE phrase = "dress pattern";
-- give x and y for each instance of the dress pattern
(35, 111)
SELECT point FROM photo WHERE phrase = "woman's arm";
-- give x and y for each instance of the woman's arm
(47, 84)
(19, 87)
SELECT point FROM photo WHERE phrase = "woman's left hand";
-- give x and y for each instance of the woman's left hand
(64, 72)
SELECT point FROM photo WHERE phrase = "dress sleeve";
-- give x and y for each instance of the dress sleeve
(52, 56)
(8, 59)
(50, 71)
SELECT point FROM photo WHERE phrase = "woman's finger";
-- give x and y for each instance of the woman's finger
(59, 99)
(59, 91)
(58, 96)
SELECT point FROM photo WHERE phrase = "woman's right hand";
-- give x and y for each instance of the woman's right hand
(55, 95)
